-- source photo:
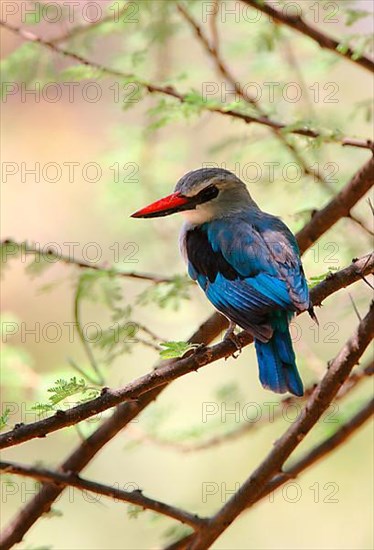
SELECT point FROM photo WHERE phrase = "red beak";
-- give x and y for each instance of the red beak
(175, 202)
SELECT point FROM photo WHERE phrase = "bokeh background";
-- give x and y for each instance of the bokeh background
(154, 144)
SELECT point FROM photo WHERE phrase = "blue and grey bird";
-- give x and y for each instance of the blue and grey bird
(246, 261)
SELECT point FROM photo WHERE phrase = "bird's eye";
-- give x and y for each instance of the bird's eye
(208, 193)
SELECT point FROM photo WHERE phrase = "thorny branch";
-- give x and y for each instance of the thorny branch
(172, 92)
(297, 23)
(136, 497)
(339, 207)
(72, 479)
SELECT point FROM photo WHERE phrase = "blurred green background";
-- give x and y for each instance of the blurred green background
(142, 149)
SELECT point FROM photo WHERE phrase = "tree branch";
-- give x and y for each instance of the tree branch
(338, 371)
(314, 455)
(339, 207)
(172, 92)
(323, 449)
(73, 480)
(82, 264)
(166, 374)
(298, 24)
(222, 67)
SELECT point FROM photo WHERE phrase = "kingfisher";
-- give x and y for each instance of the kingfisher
(246, 261)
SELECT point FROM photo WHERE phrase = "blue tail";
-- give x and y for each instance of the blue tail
(276, 361)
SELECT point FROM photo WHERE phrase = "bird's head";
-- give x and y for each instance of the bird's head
(202, 195)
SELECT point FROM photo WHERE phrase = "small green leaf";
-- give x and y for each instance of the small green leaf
(21, 65)
(315, 280)
(4, 417)
(176, 349)
(80, 72)
(54, 513)
(64, 389)
(176, 532)
(133, 511)
(167, 294)
(354, 15)
(33, 17)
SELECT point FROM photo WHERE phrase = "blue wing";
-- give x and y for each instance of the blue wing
(248, 268)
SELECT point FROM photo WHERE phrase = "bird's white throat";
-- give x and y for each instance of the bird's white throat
(201, 214)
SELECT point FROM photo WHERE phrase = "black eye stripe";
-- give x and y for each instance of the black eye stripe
(207, 194)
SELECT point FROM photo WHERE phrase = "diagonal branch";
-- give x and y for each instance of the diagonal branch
(324, 448)
(314, 455)
(135, 497)
(216, 56)
(166, 374)
(339, 207)
(172, 92)
(338, 371)
(297, 23)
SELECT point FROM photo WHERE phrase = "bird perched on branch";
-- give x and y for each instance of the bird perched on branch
(246, 261)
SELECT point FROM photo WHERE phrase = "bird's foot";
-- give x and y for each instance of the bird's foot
(230, 335)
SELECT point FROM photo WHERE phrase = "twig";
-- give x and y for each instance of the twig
(216, 56)
(297, 23)
(324, 448)
(360, 223)
(172, 92)
(213, 25)
(50, 253)
(293, 63)
(354, 306)
(73, 480)
(85, 343)
(166, 374)
(337, 280)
